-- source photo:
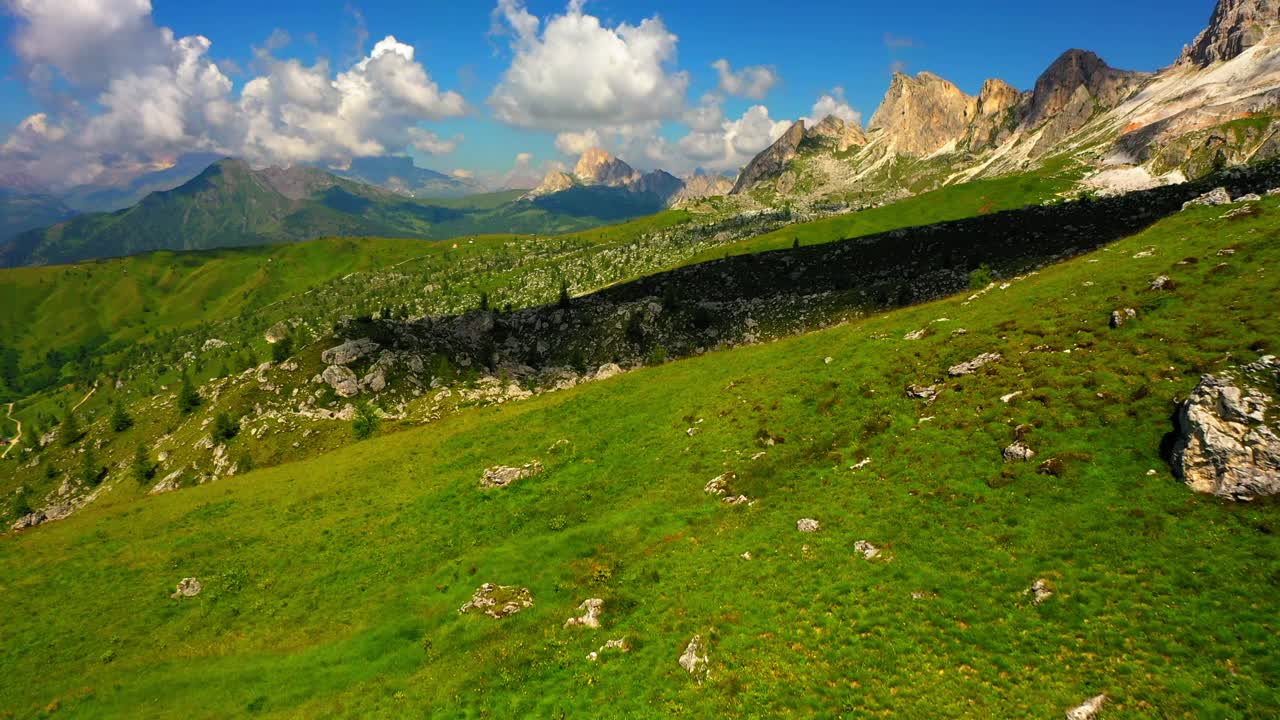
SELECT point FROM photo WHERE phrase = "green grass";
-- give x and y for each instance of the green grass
(332, 585)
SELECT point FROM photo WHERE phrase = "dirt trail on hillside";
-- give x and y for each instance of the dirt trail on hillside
(85, 399)
(16, 438)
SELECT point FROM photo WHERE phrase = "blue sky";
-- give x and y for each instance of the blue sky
(811, 47)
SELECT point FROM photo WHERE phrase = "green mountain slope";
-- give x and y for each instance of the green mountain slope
(332, 586)
(21, 211)
(232, 205)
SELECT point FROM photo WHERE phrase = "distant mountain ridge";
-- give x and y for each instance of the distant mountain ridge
(599, 170)
(231, 204)
(1122, 129)
(400, 175)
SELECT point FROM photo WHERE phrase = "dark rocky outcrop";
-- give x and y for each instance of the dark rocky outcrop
(1075, 87)
(751, 298)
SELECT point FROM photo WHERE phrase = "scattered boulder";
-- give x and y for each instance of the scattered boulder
(348, 352)
(187, 588)
(916, 334)
(276, 333)
(342, 380)
(1088, 710)
(607, 371)
(1251, 197)
(1039, 591)
(498, 601)
(927, 393)
(1164, 282)
(168, 484)
(1217, 196)
(1122, 316)
(972, 366)
(501, 476)
(808, 525)
(620, 644)
(737, 500)
(1018, 452)
(1006, 399)
(695, 660)
(590, 617)
(866, 550)
(718, 485)
(213, 344)
(559, 446)
(1225, 446)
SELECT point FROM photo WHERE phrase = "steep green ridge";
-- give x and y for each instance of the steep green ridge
(232, 205)
(332, 585)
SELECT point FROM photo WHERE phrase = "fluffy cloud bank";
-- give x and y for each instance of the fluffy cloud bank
(616, 87)
(112, 79)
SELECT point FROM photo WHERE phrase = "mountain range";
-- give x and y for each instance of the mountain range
(1108, 130)
(1119, 130)
(231, 204)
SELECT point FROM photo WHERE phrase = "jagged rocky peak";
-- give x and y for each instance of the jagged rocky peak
(598, 167)
(700, 185)
(773, 160)
(660, 183)
(1236, 26)
(1058, 87)
(924, 114)
(835, 131)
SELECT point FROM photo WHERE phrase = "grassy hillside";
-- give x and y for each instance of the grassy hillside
(953, 202)
(332, 586)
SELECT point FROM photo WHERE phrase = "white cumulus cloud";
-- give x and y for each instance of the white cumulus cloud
(132, 91)
(750, 82)
(573, 73)
(833, 103)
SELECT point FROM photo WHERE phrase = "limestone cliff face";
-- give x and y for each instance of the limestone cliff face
(554, 182)
(835, 133)
(598, 167)
(999, 109)
(924, 114)
(773, 160)
(1236, 26)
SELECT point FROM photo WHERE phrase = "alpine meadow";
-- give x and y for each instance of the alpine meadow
(604, 360)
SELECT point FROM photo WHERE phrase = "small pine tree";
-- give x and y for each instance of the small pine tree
(282, 349)
(484, 302)
(795, 245)
(224, 428)
(143, 468)
(120, 420)
(564, 296)
(365, 423)
(70, 429)
(188, 396)
(90, 470)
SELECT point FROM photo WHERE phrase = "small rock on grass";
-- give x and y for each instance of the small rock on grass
(695, 660)
(1088, 710)
(1039, 590)
(188, 587)
(808, 525)
(590, 618)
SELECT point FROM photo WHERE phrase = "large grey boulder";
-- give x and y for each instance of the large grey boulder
(1088, 710)
(970, 367)
(348, 352)
(1227, 444)
(342, 380)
